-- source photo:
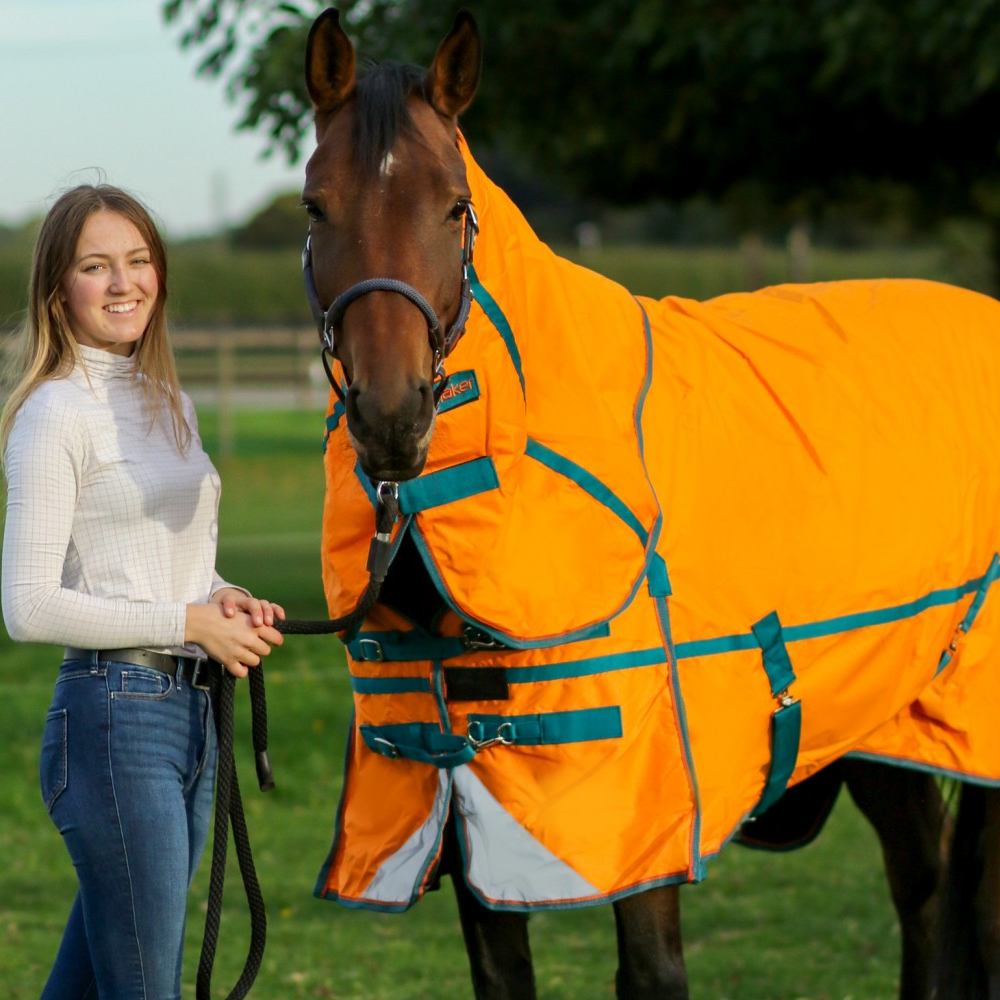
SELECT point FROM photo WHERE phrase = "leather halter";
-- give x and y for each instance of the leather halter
(442, 342)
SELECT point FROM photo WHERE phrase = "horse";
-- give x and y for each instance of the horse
(392, 197)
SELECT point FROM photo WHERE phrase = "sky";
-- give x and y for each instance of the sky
(100, 90)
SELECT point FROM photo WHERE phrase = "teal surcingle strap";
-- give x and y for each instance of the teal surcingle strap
(786, 727)
(777, 664)
(786, 722)
(989, 577)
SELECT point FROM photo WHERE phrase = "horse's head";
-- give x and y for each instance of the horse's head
(388, 204)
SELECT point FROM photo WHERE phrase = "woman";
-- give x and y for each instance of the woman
(109, 549)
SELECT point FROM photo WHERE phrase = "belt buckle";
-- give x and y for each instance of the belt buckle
(196, 672)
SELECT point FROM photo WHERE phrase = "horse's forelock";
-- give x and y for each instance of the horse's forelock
(381, 112)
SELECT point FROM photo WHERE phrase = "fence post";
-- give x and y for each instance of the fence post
(226, 375)
(303, 357)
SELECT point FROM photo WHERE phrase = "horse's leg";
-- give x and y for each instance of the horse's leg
(988, 894)
(906, 810)
(650, 958)
(960, 971)
(496, 942)
(497, 946)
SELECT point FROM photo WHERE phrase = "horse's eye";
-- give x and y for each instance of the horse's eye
(458, 211)
(314, 212)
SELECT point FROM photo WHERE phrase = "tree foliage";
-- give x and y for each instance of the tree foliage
(632, 99)
(278, 225)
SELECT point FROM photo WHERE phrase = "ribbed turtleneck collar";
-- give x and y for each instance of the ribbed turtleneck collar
(103, 366)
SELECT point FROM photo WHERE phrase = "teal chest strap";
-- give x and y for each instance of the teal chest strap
(427, 743)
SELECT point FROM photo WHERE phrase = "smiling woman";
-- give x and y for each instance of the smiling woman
(109, 549)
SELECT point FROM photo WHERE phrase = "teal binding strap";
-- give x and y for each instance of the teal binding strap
(421, 741)
(989, 577)
(588, 482)
(786, 721)
(495, 315)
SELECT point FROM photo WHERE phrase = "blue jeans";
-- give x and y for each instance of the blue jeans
(127, 772)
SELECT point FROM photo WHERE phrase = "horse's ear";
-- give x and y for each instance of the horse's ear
(454, 74)
(329, 62)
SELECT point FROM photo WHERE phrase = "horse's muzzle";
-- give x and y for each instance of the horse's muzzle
(391, 444)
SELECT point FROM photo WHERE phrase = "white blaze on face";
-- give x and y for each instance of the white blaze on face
(386, 166)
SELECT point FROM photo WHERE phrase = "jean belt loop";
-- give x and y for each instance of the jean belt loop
(95, 663)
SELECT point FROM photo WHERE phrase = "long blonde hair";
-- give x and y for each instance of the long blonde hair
(47, 348)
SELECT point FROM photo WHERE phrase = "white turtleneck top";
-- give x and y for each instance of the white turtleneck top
(111, 532)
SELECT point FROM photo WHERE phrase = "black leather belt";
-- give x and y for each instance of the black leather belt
(199, 673)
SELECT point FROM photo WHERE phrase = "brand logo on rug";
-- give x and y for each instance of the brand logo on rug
(462, 388)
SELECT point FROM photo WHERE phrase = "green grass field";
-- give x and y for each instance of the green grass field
(813, 924)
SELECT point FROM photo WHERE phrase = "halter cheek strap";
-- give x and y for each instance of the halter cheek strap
(442, 343)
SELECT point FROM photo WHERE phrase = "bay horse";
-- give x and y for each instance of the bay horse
(388, 272)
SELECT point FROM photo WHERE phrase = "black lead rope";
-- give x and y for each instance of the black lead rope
(229, 807)
(228, 800)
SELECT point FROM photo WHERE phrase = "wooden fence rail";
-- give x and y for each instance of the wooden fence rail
(250, 366)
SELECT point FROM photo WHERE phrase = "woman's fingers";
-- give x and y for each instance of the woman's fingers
(270, 635)
(269, 612)
(236, 668)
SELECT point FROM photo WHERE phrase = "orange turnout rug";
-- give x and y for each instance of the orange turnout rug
(691, 552)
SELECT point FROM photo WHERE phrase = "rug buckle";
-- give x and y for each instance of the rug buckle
(371, 650)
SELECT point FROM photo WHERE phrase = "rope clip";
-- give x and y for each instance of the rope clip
(504, 737)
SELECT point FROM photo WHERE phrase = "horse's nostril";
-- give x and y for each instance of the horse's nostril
(352, 405)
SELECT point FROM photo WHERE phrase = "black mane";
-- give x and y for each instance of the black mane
(381, 114)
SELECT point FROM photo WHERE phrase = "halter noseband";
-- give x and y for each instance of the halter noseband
(442, 343)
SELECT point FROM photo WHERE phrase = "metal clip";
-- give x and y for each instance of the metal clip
(386, 490)
(504, 737)
(785, 700)
(391, 750)
(959, 632)
(474, 638)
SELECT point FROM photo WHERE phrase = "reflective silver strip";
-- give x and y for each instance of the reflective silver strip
(504, 862)
(397, 879)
